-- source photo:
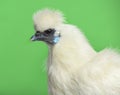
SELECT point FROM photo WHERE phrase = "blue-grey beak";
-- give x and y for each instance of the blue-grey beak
(38, 37)
(33, 38)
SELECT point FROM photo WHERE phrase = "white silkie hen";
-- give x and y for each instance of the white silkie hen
(74, 67)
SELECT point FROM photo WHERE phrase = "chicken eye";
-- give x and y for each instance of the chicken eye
(49, 31)
(37, 31)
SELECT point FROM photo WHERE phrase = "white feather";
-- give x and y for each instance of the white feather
(74, 67)
(47, 19)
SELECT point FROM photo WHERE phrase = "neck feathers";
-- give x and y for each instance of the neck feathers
(73, 48)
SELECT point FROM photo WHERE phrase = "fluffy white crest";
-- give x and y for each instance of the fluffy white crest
(47, 18)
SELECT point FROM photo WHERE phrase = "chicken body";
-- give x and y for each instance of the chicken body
(74, 67)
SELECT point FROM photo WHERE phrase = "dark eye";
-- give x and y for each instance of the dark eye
(49, 31)
(37, 31)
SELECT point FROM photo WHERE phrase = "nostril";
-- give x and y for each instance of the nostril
(37, 34)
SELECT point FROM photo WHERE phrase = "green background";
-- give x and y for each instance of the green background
(22, 63)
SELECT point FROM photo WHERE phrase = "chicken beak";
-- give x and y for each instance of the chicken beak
(33, 38)
(38, 37)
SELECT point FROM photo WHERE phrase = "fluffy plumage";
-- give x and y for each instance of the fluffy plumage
(47, 19)
(74, 67)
